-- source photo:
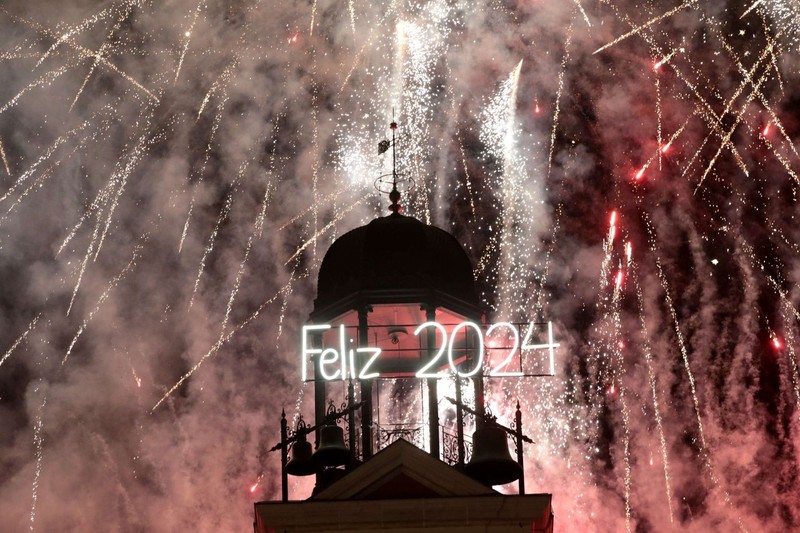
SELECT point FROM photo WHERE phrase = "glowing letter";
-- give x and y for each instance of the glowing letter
(375, 353)
(352, 357)
(309, 351)
(423, 373)
(479, 364)
(343, 352)
(549, 344)
(324, 360)
(497, 372)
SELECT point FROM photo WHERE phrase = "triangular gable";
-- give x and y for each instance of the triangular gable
(401, 470)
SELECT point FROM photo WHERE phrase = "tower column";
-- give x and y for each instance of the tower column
(366, 389)
(320, 388)
(433, 390)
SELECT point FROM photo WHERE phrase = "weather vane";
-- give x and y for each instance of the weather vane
(382, 183)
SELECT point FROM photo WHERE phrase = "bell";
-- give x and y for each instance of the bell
(301, 463)
(491, 464)
(331, 450)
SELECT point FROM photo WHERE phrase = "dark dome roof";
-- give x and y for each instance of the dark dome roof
(395, 253)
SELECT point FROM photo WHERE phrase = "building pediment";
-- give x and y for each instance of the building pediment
(401, 470)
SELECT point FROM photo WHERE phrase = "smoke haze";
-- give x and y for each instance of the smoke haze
(173, 173)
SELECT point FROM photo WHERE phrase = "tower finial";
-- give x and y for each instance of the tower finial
(382, 182)
(394, 195)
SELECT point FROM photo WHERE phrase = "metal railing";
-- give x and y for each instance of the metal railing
(389, 433)
(450, 447)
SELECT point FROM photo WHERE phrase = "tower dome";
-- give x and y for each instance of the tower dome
(395, 258)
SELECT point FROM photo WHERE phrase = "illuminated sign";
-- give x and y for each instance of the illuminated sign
(345, 362)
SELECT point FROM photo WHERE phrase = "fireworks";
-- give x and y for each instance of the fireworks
(173, 174)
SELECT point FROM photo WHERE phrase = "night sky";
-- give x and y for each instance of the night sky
(173, 172)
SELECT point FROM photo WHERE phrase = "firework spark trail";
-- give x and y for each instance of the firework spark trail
(583, 12)
(448, 185)
(752, 6)
(46, 174)
(17, 51)
(608, 243)
(201, 173)
(117, 181)
(136, 378)
(626, 453)
(75, 30)
(138, 151)
(658, 120)
(484, 262)
(88, 76)
(188, 36)
(212, 239)
(776, 286)
(298, 404)
(332, 199)
(678, 334)
(43, 158)
(537, 300)
(257, 228)
(122, 73)
(223, 340)
(20, 339)
(616, 362)
(38, 444)
(5, 159)
(638, 29)
(356, 61)
(325, 228)
(773, 229)
(95, 207)
(221, 82)
(651, 376)
(46, 79)
(85, 262)
(106, 293)
(313, 17)
(467, 179)
(786, 165)
(773, 43)
(559, 92)
(315, 167)
(99, 55)
(419, 48)
(756, 87)
(111, 466)
(615, 338)
(85, 53)
(368, 44)
(741, 358)
(696, 155)
(790, 343)
(704, 451)
(714, 121)
(705, 110)
(664, 60)
(276, 128)
(499, 135)
(352, 16)
(284, 308)
(740, 115)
